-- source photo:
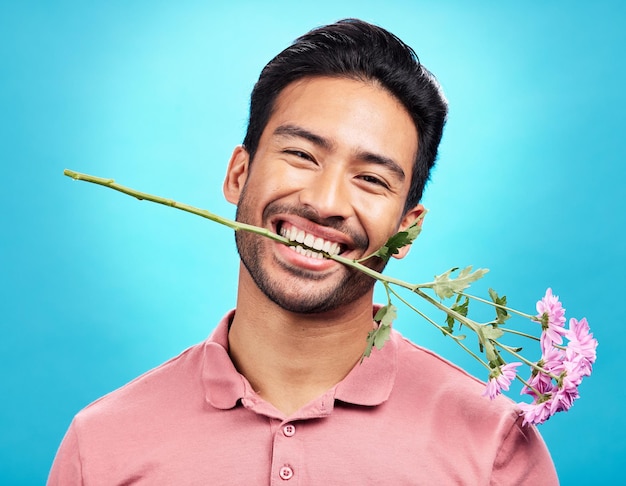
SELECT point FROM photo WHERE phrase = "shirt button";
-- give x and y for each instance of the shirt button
(285, 472)
(289, 430)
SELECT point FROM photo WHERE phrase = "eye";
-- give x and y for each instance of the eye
(370, 179)
(299, 153)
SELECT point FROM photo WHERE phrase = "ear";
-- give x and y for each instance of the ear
(417, 213)
(236, 174)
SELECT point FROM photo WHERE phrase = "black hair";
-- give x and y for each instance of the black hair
(355, 49)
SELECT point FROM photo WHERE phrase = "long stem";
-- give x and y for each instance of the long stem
(493, 304)
(441, 328)
(535, 366)
(481, 330)
(235, 225)
(111, 184)
(461, 318)
(519, 333)
(528, 385)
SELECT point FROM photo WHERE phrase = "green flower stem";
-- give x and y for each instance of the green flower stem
(386, 280)
(441, 328)
(111, 184)
(368, 271)
(493, 304)
(535, 366)
(388, 291)
(235, 225)
(518, 333)
(528, 385)
(418, 221)
(474, 326)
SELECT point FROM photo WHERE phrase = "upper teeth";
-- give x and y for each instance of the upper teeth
(315, 242)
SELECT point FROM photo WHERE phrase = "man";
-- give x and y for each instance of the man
(344, 128)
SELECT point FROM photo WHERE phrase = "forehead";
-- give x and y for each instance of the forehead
(353, 114)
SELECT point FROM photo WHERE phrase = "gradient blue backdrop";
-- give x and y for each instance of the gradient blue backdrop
(97, 288)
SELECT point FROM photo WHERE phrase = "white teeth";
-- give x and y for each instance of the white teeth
(307, 253)
(317, 243)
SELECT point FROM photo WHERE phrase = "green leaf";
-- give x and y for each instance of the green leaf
(501, 314)
(376, 337)
(370, 345)
(446, 286)
(490, 351)
(386, 314)
(460, 308)
(379, 336)
(382, 335)
(490, 332)
(449, 324)
(399, 240)
(486, 335)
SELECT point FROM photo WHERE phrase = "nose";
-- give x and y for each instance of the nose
(328, 193)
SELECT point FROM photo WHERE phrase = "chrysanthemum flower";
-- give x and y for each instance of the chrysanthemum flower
(500, 379)
(552, 318)
(563, 399)
(538, 384)
(537, 412)
(581, 347)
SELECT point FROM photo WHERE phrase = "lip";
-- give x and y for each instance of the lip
(289, 255)
(316, 230)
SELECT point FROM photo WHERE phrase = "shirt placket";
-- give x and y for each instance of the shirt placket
(287, 455)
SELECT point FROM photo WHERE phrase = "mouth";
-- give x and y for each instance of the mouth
(311, 245)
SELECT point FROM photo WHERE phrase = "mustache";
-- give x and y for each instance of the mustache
(359, 238)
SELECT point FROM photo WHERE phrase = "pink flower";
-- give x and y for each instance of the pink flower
(552, 318)
(552, 358)
(550, 397)
(538, 384)
(582, 345)
(563, 399)
(535, 413)
(500, 379)
(551, 361)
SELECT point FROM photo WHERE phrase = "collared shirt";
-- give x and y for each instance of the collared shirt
(403, 416)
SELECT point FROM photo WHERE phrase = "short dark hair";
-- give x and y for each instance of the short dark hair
(355, 49)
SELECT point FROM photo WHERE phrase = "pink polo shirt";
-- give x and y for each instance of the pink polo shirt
(404, 416)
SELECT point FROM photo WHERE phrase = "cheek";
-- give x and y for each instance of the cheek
(267, 185)
(380, 221)
(283, 181)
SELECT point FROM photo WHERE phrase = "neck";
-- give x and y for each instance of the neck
(289, 358)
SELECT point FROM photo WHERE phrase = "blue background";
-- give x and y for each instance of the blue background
(97, 288)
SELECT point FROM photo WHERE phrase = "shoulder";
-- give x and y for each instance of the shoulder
(173, 381)
(434, 382)
(436, 407)
(414, 359)
(153, 399)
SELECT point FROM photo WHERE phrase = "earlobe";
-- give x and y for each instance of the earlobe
(236, 174)
(412, 215)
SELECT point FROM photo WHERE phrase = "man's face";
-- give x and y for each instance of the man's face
(332, 170)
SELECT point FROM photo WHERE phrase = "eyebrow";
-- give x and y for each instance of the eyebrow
(289, 130)
(390, 164)
(299, 132)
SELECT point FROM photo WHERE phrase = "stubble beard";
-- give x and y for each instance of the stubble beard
(298, 292)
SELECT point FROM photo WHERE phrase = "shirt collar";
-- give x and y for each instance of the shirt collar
(369, 383)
